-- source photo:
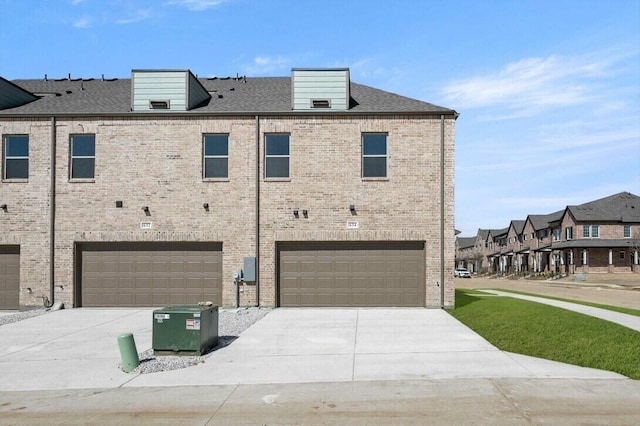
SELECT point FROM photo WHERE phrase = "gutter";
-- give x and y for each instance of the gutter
(52, 218)
(257, 225)
(442, 212)
(235, 114)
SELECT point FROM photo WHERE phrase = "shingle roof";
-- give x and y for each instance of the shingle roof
(541, 221)
(260, 95)
(466, 242)
(518, 225)
(622, 207)
(483, 233)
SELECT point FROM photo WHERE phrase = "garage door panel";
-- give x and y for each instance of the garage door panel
(9, 277)
(149, 274)
(355, 273)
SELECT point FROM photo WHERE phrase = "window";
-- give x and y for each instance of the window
(276, 156)
(626, 233)
(585, 231)
(216, 156)
(16, 157)
(595, 231)
(374, 155)
(568, 233)
(83, 156)
(556, 234)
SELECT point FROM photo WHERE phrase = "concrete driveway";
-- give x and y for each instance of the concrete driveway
(77, 349)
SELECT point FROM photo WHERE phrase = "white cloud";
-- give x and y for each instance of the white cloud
(531, 85)
(84, 21)
(197, 5)
(265, 65)
(137, 16)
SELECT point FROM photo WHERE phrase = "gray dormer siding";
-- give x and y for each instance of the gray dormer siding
(169, 90)
(320, 89)
(12, 96)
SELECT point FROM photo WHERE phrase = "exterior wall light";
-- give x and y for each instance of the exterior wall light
(146, 211)
(296, 213)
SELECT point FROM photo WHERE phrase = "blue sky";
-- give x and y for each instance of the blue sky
(548, 91)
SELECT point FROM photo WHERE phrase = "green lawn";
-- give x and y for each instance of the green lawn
(548, 332)
(634, 312)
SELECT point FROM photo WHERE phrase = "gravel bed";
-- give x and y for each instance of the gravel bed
(231, 322)
(23, 315)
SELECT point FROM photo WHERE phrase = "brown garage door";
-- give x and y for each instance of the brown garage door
(351, 274)
(147, 275)
(9, 277)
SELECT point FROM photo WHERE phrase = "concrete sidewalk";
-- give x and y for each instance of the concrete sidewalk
(410, 402)
(77, 349)
(626, 320)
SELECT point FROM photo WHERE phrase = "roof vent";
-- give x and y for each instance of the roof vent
(159, 104)
(320, 103)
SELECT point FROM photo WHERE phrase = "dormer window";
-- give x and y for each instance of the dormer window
(159, 104)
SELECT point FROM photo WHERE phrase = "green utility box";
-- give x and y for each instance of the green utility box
(185, 330)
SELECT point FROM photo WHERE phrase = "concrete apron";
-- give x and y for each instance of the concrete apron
(77, 349)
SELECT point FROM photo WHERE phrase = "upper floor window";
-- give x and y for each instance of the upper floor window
(556, 234)
(83, 156)
(374, 155)
(591, 231)
(276, 155)
(626, 232)
(16, 157)
(215, 156)
(568, 233)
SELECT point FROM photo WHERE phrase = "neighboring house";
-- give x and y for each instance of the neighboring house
(165, 188)
(514, 257)
(465, 248)
(496, 243)
(598, 236)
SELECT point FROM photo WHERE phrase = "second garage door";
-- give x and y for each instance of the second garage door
(149, 274)
(351, 274)
(9, 277)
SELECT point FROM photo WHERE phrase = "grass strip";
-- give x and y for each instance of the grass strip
(622, 310)
(543, 331)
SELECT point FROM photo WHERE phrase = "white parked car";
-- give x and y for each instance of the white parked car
(461, 273)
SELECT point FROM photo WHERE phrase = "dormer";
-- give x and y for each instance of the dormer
(320, 89)
(166, 91)
(12, 96)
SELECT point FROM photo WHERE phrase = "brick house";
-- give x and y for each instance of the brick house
(165, 188)
(601, 236)
(537, 239)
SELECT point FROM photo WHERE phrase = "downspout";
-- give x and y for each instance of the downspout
(257, 225)
(52, 217)
(442, 211)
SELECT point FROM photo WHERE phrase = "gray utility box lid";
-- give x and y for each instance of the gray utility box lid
(185, 330)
